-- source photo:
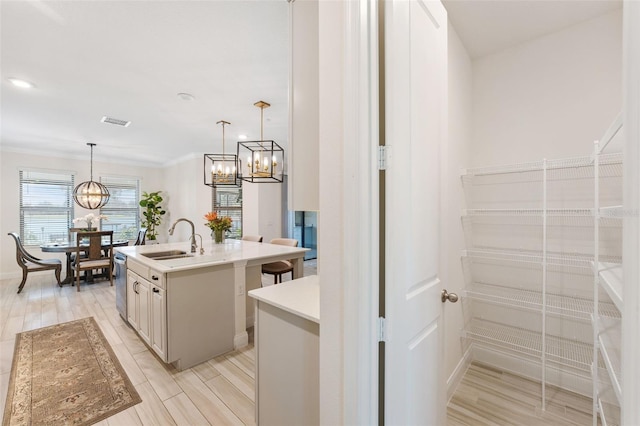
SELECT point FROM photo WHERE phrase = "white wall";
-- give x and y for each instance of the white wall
(187, 197)
(11, 163)
(250, 205)
(550, 97)
(262, 210)
(303, 162)
(270, 211)
(331, 220)
(454, 156)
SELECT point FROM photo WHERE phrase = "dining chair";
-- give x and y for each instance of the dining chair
(256, 238)
(281, 266)
(99, 255)
(140, 240)
(30, 263)
(73, 232)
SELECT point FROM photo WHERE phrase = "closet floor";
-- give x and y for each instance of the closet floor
(487, 396)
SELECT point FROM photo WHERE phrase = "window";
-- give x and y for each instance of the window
(228, 202)
(46, 206)
(122, 209)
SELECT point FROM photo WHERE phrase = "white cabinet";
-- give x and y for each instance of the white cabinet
(138, 304)
(146, 306)
(132, 300)
(142, 303)
(184, 316)
(158, 321)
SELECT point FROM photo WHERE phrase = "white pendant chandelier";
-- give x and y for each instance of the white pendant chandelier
(91, 195)
(220, 169)
(264, 158)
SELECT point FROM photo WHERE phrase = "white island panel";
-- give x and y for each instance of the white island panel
(300, 297)
(287, 353)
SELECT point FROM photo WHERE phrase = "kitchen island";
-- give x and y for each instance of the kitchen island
(287, 342)
(191, 307)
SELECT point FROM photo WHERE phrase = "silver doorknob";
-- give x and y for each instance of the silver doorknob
(451, 297)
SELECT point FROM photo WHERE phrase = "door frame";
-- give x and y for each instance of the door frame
(348, 218)
(631, 246)
(361, 217)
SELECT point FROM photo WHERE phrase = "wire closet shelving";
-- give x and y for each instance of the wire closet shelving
(543, 270)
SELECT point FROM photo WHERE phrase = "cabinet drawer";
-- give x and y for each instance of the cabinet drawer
(138, 268)
(155, 278)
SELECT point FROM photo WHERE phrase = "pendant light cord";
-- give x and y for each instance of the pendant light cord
(92, 163)
(261, 123)
(91, 145)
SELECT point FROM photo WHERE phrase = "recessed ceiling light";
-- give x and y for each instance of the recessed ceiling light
(186, 96)
(21, 83)
(242, 136)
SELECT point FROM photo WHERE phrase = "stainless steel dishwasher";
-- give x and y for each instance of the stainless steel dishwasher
(120, 261)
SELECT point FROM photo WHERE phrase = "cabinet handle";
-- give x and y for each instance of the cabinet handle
(155, 290)
(135, 287)
(154, 277)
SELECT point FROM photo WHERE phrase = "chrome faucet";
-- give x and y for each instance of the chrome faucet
(193, 232)
(201, 245)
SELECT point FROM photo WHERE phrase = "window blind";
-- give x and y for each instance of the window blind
(122, 209)
(228, 202)
(46, 206)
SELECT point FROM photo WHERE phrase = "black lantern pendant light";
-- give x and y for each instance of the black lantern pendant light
(264, 158)
(91, 195)
(220, 169)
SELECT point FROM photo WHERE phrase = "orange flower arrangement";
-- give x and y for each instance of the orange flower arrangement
(218, 223)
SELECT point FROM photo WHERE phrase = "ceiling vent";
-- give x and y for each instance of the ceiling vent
(111, 120)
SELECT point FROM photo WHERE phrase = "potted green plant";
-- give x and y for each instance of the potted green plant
(152, 213)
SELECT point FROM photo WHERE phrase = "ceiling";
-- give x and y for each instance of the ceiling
(489, 26)
(130, 59)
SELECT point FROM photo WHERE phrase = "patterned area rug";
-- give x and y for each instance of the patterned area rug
(66, 374)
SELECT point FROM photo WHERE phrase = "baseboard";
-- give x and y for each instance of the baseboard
(18, 274)
(458, 373)
(11, 275)
(240, 340)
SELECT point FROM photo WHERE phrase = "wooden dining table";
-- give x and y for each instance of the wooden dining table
(70, 247)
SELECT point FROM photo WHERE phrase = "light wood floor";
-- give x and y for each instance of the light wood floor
(221, 391)
(487, 396)
(217, 392)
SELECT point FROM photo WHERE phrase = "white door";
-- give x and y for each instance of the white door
(132, 300)
(415, 110)
(158, 321)
(144, 315)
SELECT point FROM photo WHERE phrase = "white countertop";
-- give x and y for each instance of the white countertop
(231, 251)
(300, 297)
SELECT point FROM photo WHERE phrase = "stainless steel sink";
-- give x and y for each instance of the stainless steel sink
(166, 255)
